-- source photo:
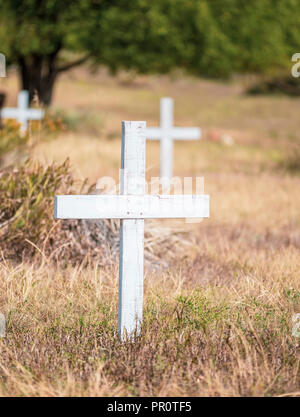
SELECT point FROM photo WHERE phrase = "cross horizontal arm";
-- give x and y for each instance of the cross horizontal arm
(181, 133)
(186, 133)
(153, 133)
(131, 206)
(14, 113)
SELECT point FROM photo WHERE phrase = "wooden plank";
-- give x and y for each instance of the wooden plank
(131, 206)
(131, 277)
(131, 268)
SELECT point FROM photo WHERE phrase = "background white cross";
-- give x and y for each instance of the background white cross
(166, 133)
(132, 206)
(22, 113)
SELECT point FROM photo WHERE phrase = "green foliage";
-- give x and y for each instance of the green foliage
(292, 294)
(211, 38)
(196, 312)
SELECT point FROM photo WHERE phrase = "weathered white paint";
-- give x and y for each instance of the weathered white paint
(132, 206)
(131, 267)
(167, 133)
(22, 113)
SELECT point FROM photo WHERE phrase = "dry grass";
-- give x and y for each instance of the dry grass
(218, 320)
(217, 325)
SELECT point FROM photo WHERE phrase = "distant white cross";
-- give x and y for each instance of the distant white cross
(22, 113)
(167, 133)
(132, 206)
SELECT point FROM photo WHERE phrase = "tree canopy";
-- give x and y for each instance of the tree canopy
(213, 38)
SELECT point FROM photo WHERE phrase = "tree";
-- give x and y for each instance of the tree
(212, 38)
(33, 35)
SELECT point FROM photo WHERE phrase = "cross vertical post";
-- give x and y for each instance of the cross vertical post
(166, 148)
(23, 105)
(131, 268)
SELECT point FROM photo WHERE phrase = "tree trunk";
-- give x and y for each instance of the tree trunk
(38, 75)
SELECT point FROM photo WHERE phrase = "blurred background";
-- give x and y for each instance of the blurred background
(226, 63)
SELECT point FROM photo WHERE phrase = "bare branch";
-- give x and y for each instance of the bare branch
(73, 64)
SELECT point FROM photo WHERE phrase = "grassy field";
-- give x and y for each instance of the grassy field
(218, 313)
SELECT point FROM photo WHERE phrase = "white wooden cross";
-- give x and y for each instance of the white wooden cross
(132, 206)
(167, 133)
(22, 113)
